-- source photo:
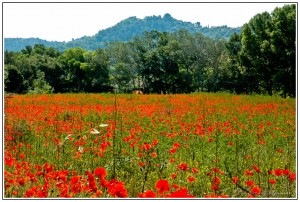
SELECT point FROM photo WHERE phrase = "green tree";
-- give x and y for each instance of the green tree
(40, 86)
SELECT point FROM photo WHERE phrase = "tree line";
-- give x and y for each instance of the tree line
(261, 59)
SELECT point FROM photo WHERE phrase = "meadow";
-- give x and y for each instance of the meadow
(143, 146)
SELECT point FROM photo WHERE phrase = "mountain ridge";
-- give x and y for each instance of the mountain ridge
(125, 30)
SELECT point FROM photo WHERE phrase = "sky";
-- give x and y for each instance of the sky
(67, 21)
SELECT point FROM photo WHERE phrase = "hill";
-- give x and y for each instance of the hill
(125, 31)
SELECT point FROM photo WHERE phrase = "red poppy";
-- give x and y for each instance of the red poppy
(256, 168)
(100, 172)
(147, 194)
(183, 167)
(117, 189)
(235, 180)
(176, 145)
(92, 183)
(141, 164)
(292, 177)
(181, 193)
(173, 150)
(173, 175)
(272, 181)
(248, 173)
(153, 154)
(215, 187)
(195, 170)
(216, 180)
(191, 179)
(278, 172)
(256, 190)
(215, 170)
(249, 183)
(162, 186)
(286, 172)
(175, 186)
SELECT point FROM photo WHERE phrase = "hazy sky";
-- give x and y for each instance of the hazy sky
(64, 21)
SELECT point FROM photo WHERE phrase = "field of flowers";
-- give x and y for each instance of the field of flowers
(106, 145)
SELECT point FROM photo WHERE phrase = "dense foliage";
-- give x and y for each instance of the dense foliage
(125, 31)
(261, 59)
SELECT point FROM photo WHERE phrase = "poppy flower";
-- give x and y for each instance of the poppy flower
(183, 167)
(292, 177)
(153, 154)
(249, 183)
(195, 170)
(286, 172)
(147, 194)
(216, 180)
(173, 175)
(162, 186)
(215, 187)
(256, 190)
(191, 179)
(181, 193)
(256, 168)
(272, 181)
(278, 172)
(100, 172)
(248, 173)
(235, 180)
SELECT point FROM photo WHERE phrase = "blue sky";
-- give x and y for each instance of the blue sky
(64, 21)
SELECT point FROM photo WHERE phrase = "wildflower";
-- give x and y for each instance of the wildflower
(249, 183)
(181, 193)
(176, 145)
(173, 150)
(235, 180)
(141, 164)
(183, 167)
(248, 173)
(155, 142)
(162, 186)
(94, 131)
(272, 181)
(153, 154)
(292, 177)
(117, 189)
(175, 186)
(195, 170)
(215, 187)
(216, 170)
(147, 194)
(286, 172)
(100, 172)
(173, 175)
(191, 179)
(22, 155)
(256, 168)
(256, 190)
(216, 180)
(98, 193)
(92, 183)
(278, 172)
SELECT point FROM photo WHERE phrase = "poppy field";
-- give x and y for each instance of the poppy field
(149, 146)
